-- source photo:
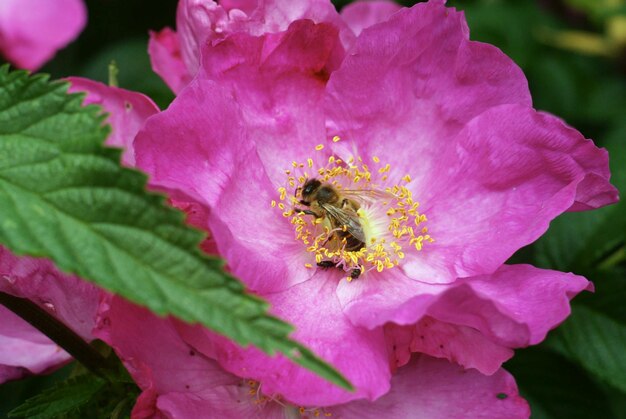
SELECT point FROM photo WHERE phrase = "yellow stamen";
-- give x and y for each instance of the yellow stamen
(390, 225)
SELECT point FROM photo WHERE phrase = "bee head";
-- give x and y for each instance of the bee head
(310, 187)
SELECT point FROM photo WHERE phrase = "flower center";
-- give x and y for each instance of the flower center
(348, 215)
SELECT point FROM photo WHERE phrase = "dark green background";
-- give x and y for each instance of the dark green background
(580, 371)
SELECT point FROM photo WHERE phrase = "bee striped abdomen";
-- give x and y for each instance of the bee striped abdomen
(352, 243)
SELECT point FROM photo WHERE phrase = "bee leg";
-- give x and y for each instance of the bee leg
(303, 202)
(325, 264)
(308, 212)
(355, 273)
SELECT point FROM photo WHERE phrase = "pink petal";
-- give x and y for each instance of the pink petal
(409, 85)
(8, 373)
(127, 112)
(514, 307)
(166, 59)
(202, 22)
(536, 300)
(247, 6)
(278, 81)
(365, 13)
(461, 345)
(509, 172)
(217, 144)
(177, 381)
(31, 31)
(357, 353)
(594, 191)
(199, 149)
(23, 349)
(389, 296)
(66, 297)
(429, 388)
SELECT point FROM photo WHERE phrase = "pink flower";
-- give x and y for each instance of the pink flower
(181, 382)
(464, 171)
(127, 112)
(31, 31)
(365, 13)
(23, 349)
(175, 56)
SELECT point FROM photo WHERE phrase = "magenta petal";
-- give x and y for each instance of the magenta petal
(516, 306)
(23, 349)
(595, 191)
(127, 112)
(9, 373)
(409, 85)
(512, 308)
(66, 297)
(461, 345)
(365, 13)
(429, 388)
(200, 148)
(166, 59)
(357, 353)
(386, 297)
(278, 81)
(31, 31)
(202, 22)
(246, 6)
(177, 381)
(223, 143)
(509, 172)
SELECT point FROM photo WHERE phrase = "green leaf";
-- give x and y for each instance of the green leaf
(13, 393)
(596, 342)
(608, 298)
(65, 197)
(578, 241)
(555, 387)
(63, 398)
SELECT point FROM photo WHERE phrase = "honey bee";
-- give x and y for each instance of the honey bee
(340, 209)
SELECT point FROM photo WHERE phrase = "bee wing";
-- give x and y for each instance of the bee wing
(346, 217)
(367, 194)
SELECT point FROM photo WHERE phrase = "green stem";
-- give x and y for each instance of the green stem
(613, 259)
(59, 333)
(113, 72)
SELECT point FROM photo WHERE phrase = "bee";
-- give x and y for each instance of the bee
(340, 209)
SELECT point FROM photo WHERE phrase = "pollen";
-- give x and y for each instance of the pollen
(375, 223)
(336, 139)
(256, 397)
